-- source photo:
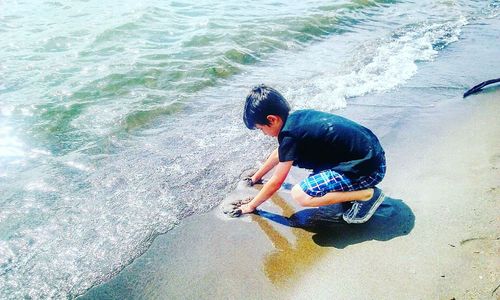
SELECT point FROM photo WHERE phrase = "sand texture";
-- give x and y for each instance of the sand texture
(436, 236)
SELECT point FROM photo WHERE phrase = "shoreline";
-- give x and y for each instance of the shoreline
(434, 237)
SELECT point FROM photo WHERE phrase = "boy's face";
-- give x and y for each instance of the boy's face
(274, 127)
(266, 129)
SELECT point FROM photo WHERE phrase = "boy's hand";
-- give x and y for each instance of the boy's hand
(238, 207)
(249, 177)
(246, 209)
(250, 181)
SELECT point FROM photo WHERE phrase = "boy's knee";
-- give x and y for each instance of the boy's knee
(300, 196)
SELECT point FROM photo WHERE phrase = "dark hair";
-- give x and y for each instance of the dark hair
(261, 102)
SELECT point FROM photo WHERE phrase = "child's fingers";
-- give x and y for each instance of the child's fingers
(230, 207)
(248, 181)
(239, 202)
(246, 200)
(235, 213)
(237, 208)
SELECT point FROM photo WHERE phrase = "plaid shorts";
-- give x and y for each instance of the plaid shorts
(317, 185)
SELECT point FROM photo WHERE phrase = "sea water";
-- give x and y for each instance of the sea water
(120, 118)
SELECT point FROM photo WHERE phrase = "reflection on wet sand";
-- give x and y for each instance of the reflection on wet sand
(314, 230)
(290, 259)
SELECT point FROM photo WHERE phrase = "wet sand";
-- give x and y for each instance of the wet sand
(436, 236)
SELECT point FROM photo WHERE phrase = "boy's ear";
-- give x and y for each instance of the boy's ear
(272, 118)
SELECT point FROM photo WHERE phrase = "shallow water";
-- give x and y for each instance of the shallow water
(119, 119)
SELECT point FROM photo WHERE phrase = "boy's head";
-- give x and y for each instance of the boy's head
(263, 106)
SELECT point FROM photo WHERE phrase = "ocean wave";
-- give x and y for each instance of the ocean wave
(379, 65)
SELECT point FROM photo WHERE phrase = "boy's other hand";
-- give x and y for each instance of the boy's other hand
(249, 177)
(250, 181)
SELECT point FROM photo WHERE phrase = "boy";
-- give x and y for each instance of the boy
(346, 158)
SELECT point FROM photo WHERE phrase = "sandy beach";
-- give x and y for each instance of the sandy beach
(436, 236)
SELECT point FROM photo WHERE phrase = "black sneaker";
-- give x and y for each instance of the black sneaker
(362, 211)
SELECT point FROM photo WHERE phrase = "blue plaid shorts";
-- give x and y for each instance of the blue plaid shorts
(317, 185)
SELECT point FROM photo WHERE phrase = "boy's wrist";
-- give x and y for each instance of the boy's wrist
(256, 179)
(250, 204)
(250, 181)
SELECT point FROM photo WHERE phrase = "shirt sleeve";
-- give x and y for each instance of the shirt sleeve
(287, 150)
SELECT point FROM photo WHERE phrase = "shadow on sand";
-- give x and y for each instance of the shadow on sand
(314, 231)
(392, 219)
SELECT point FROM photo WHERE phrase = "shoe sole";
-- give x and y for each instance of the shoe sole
(370, 213)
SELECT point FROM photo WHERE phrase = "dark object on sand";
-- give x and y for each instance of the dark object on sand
(478, 87)
(493, 293)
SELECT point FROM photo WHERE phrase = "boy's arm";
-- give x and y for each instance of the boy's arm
(269, 188)
(268, 165)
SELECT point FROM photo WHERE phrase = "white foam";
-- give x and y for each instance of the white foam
(40, 151)
(78, 166)
(7, 110)
(10, 145)
(6, 253)
(41, 186)
(377, 66)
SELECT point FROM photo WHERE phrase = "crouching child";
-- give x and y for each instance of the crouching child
(346, 159)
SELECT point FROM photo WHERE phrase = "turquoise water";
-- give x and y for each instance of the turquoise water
(119, 119)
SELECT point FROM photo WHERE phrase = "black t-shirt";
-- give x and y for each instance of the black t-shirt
(319, 141)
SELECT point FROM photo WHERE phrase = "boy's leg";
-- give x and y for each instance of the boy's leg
(330, 187)
(362, 203)
(334, 197)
